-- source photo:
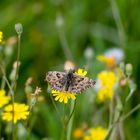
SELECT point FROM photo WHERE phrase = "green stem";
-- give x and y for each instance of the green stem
(29, 129)
(64, 44)
(118, 21)
(121, 120)
(130, 112)
(17, 64)
(3, 83)
(56, 108)
(70, 120)
(72, 112)
(67, 123)
(64, 134)
(12, 96)
(110, 113)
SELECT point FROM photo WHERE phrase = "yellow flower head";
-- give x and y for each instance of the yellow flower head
(3, 99)
(62, 96)
(97, 133)
(81, 72)
(107, 81)
(107, 78)
(104, 94)
(21, 111)
(109, 61)
(1, 37)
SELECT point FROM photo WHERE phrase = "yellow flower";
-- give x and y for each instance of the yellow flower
(3, 99)
(107, 80)
(104, 94)
(21, 111)
(1, 37)
(109, 61)
(81, 72)
(78, 133)
(97, 133)
(63, 96)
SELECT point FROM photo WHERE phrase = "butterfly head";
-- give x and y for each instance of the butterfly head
(69, 75)
(71, 71)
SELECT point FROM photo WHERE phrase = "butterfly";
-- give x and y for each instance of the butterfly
(68, 81)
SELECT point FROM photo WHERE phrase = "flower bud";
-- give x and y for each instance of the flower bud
(12, 75)
(69, 65)
(12, 41)
(8, 51)
(28, 89)
(19, 28)
(16, 64)
(88, 53)
(59, 21)
(29, 81)
(129, 69)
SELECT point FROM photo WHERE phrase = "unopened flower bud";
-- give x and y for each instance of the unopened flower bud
(59, 21)
(8, 51)
(16, 64)
(129, 69)
(123, 82)
(12, 41)
(29, 81)
(28, 89)
(69, 65)
(88, 53)
(12, 75)
(19, 28)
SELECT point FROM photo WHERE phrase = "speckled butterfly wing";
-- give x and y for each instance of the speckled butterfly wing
(56, 80)
(80, 84)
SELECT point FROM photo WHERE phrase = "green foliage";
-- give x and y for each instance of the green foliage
(55, 31)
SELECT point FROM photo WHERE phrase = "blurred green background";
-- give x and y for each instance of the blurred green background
(55, 31)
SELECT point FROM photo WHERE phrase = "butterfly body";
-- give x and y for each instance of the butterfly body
(68, 82)
(69, 79)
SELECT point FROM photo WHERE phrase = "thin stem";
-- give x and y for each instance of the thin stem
(17, 63)
(70, 120)
(3, 83)
(64, 134)
(71, 112)
(64, 44)
(55, 107)
(121, 120)
(121, 131)
(110, 113)
(118, 21)
(30, 111)
(29, 129)
(12, 96)
(130, 112)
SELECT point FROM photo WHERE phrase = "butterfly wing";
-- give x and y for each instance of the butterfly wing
(56, 80)
(80, 84)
